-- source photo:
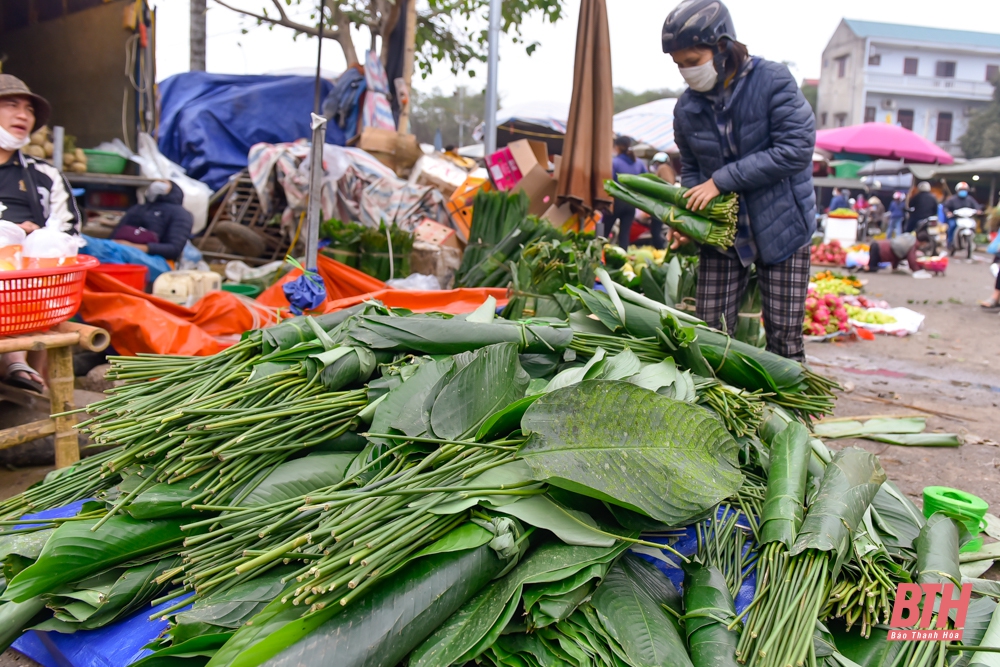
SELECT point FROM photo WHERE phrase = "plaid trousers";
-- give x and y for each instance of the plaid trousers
(783, 288)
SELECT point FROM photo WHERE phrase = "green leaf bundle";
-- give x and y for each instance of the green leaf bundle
(708, 609)
(701, 230)
(723, 209)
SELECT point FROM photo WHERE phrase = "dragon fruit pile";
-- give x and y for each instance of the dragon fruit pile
(831, 253)
(825, 314)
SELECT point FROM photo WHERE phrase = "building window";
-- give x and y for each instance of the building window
(905, 118)
(992, 71)
(841, 67)
(910, 66)
(944, 126)
(875, 59)
(869, 114)
(840, 119)
(945, 69)
(822, 119)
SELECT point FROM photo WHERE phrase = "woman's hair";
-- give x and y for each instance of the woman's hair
(624, 144)
(729, 58)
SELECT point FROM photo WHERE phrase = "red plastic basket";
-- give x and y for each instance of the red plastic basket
(38, 299)
(133, 275)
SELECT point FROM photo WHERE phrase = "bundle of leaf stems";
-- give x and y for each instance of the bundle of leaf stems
(725, 544)
(779, 630)
(723, 208)
(865, 591)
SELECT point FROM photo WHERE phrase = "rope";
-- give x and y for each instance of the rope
(392, 263)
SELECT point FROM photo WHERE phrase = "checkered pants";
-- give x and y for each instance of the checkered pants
(783, 288)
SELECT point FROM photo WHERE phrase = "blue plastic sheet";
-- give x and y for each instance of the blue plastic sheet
(208, 122)
(685, 542)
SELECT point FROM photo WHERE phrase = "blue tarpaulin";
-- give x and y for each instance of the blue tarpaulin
(208, 122)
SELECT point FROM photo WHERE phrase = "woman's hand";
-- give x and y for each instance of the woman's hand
(675, 239)
(699, 196)
(28, 226)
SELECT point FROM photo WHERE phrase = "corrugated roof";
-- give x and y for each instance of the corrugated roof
(915, 33)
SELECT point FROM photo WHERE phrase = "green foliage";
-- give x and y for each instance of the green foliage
(435, 110)
(626, 99)
(982, 138)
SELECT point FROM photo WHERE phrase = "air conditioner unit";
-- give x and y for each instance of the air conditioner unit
(888, 104)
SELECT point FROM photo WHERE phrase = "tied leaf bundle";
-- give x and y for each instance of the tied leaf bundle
(495, 216)
(345, 240)
(375, 255)
(544, 267)
(702, 230)
(723, 208)
(493, 268)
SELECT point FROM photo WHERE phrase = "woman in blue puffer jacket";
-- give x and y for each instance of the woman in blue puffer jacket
(744, 126)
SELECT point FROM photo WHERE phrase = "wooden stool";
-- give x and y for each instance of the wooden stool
(59, 342)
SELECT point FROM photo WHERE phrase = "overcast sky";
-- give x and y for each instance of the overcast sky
(782, 30)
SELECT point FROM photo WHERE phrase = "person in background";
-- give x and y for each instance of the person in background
(894, 251)
(961, 199)
(923, 205)
(897, 212)
(624, 162)
(32, 192)
(660, 165)
(876, 212)
(149, 234)
(839, 200)
(744, 126)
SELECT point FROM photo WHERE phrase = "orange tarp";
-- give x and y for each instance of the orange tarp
(455, 301)
(341, 281)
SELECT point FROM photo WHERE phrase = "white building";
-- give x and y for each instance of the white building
(928, 80)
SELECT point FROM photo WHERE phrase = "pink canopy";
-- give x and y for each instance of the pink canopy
(882, 140)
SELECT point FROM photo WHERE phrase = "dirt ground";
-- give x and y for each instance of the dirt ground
(949, 371)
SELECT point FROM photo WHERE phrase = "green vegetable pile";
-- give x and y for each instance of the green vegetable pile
(377, 259)
(377, 487)
(544, 268)
(345, 240)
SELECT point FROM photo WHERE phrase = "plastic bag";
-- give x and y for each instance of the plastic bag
(994, 247)
(48, 246)
(415, 281)
(154, 165)
(11, 245)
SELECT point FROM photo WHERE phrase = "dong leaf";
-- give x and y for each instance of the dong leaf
(163, 501)
(505, 421)
(493, 380)
(570, 526)
(75, 551)
(629, 603)
(990, 638)
(898, 519)
(709, 607)
(627, 445)
(849, 484)
(194, 652)
(937, 551)
(299, 477)
(14, 616)
(786, 485)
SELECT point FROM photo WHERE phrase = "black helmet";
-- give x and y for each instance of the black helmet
(697, 23)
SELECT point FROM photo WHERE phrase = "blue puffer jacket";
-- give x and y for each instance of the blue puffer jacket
(775, 133)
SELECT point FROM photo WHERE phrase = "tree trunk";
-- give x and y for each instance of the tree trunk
(198, 39)
(343, 37)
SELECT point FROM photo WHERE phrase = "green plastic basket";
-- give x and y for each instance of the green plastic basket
(961, 506)
(251, 291)
(102, 162)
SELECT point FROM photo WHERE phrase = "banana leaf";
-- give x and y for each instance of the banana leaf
(381, 628)
(722, 208)
(14, 616)
(461, 636)
(96, 602)
(708, 607)
(937, 551)
(629, 603)
(227, 611)
(786, 486)
(489, 383)
(695, 227)
(990, 638)
(849, 484)
(626, 445)
(434, 335)
(75, 551)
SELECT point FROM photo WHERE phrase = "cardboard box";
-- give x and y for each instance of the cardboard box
(431, 231)
(439, 173)
(460, 203)
(397, 151)
(523, 165)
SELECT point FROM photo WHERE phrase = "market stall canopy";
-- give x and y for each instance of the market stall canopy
(651, 123)
(884, 167)
(208, 122)
(986, 166)
(586, 157)
(882, 140)
(832, 182)
(541, 121)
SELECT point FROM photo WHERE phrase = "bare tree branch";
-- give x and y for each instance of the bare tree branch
(333, 33)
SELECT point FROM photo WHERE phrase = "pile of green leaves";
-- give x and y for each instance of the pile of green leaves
(544, 267)
(344, 238)
(723, 208)
(490, 265)
(375, 252)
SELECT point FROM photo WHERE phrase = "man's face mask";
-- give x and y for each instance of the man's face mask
(963, 193)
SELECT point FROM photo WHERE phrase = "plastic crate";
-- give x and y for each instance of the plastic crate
(38, 299)
(133, 275)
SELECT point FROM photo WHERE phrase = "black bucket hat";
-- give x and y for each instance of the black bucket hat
(11, 86)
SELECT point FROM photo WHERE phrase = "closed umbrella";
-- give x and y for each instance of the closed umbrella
(586, 159)
(882, 140)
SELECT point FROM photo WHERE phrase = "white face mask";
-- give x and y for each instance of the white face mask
(9, 142)
(701, 77)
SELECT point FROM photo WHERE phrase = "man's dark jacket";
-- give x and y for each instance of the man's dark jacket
(165, 217)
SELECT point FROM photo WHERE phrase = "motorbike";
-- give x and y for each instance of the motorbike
(965, 232)
(928, 235)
